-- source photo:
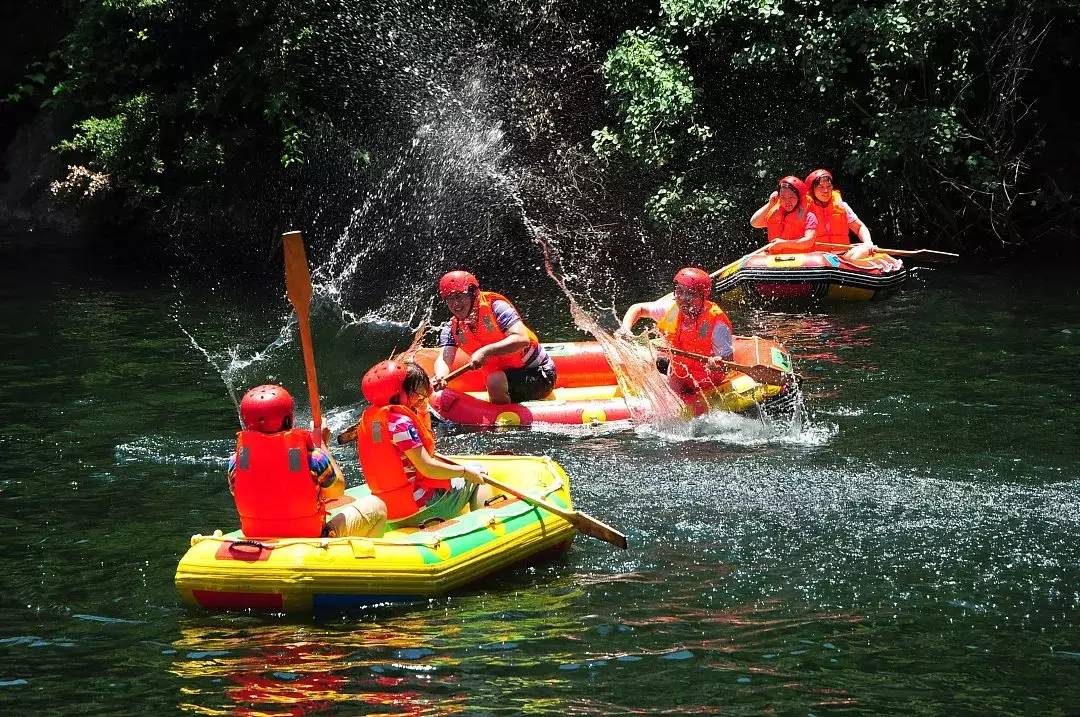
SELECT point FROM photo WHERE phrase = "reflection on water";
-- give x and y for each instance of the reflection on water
(406, 661)
(444, 659)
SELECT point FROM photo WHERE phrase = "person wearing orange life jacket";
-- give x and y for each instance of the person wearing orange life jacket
(486, 326)
(396, 446)
(281, 481)
(836, 220)
(790, 224)
(690, 322)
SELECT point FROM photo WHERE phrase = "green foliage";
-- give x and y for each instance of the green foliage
(893, 92)
(676, 204)
(122, 145)
(32, 83)
(654, 94)
(178, 95)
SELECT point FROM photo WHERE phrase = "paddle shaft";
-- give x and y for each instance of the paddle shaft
(759, 372)
(457, 372)
(298, 287)
(349, 434)
(583, 522)
(926, 253)
(722, 269)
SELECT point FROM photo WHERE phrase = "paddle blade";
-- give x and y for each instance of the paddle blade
(766, 375)
(588, 525)
(585, 524)
(946, 257)
(349, 434)
(297, 275)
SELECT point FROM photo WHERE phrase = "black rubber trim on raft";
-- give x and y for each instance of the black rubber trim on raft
(813, 276)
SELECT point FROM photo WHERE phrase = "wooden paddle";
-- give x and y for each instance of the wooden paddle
(722, 269)
(349, 434)
(759, 372)
(298, 287)
(583, 522)
(928, 254)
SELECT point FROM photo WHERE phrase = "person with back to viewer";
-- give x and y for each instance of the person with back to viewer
(281, 481)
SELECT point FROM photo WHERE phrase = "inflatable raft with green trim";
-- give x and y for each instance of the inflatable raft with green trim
(306, 575)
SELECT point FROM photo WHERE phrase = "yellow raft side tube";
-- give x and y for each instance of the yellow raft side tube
(304, 575)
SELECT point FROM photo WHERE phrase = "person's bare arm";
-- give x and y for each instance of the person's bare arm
(435, 466)
(516, 339)
(632, 316)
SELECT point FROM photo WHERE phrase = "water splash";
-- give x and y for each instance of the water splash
(231, 363)
(166, 450)
(454, 194)
(647, 394)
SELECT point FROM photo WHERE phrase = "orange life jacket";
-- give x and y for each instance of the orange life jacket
(785, 228)
(695, 336)
(275, 493)
(381, 461)
(471, 336)
(832, 225)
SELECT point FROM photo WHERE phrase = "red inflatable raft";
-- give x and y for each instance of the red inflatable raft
(587, 392)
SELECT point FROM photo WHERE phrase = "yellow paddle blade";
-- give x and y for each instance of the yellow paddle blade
(297, 275)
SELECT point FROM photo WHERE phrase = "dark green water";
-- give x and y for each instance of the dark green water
(913, 551)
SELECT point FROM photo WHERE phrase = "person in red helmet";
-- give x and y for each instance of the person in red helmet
(281, 481)
(836, 220)
(396, 446)
(690, 322)
(790, 224)
(487, 327)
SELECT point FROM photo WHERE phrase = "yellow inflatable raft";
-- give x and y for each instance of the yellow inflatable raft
(306, 575)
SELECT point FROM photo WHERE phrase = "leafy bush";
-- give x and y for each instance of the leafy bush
(895, 97)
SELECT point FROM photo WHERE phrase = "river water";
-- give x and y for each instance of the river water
(911, 550)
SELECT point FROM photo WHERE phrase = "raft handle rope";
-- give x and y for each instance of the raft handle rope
(248, 543)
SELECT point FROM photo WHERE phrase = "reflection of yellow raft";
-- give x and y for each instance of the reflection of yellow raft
(305, 575)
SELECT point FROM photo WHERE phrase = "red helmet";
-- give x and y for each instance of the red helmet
(266, 408)
(457, 281)
(795, 184)
(693, 278)
(816, 176)
(383, 382)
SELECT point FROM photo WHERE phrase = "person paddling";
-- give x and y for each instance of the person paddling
(689, 322)
(281, 481)
(487, 327)
(787, 218)
(396, 446)
(836, 220)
